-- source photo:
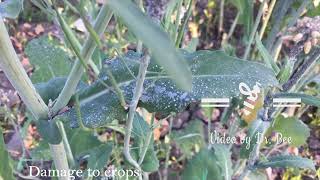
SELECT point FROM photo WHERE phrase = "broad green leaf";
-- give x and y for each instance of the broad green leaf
(97, 110)
(202, 166)
(189, 138)
(6, 169)
(285, 161)
(255, 131)
(140, 131)
(99, 156)
(292, 127)
(156, 40)
(82, 141)
(305, 98)
(215, 75)
(49, 131)
(52, 88)
(11, 8)
(223, 156)
(49, 59)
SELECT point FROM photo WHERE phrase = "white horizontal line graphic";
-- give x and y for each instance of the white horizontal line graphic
(287, 100)
(287, 105)
(215, 100)
(214, 105)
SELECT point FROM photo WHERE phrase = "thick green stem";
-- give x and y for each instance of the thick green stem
(17, 76)
(132, 110)
(74, 77)
(254, 30)
(15, 72)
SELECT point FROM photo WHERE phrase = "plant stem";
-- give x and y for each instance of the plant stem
(15, 72)
(66, 144)
(132, 109)
(147, 143)
(178, 21)
(254, 155)
(17, 76)
(221, 17)
(233, 26)
(166, 163)
(115, 86)
(209, 124)
(184, 24)
(301, 71)
(254, 30)
(74, 77)
(139, 42)
(265, 22)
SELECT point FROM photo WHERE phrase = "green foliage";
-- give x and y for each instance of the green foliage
(99, 156)
(49, 131)
(214, 75)
(6, 170)
(203, 165)
(223, 156)
(285, 161)
(82, 141)
(245, 8)
(11, 8)
(255, 132)
(189, 138)
(266, 56)
(140, 132)
(292, 127)
(163, 50)
(49, 59)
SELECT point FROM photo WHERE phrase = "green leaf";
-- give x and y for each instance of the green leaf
(156, 40)
(202, 166)
(140, 131)
(285, 161)
(97, 110)
(245, 7)
(6, 169)
(11, 8)
(99, 156)
(223, 156)
(255, 175)
(255, 132)
(82, 141)
(215, 75)
(41, 152)
(52, 88)
(49, 131)
(266, 56)
(49, 59)
(292, 127)
(190, 137)
(305, 98)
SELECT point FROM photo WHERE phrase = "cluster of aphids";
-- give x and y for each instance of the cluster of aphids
(305, 33)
